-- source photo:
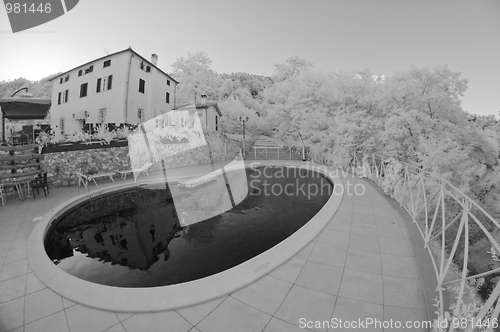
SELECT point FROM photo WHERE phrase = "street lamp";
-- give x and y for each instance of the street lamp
(244, 119)
(303, 148)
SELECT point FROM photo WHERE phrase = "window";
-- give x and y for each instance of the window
(167, 98)
(107, 63)
(142, 65)
(61, 125)
(89, 69)
(83, 90)
(86, 71)
(216, 123)
(159, 123)
(62, 97)
(168, 82)
(101, 116)
(104, 83)
(140, 115)
(148, 69)
(142, 85)
(64, 79)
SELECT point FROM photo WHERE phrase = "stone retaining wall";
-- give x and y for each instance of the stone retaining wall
(61, 166)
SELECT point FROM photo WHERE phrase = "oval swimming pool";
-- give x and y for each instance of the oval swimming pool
(133, 238)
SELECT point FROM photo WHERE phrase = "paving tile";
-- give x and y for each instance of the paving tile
(15, 254)
(339, 225)
(278, 325)
(194, 329)
(6, 237)
(403, 292)
(346, 206)
(33, 284)
(390, 232)
(11, 227)
(328, 254)
(356, 311)
(363, 242)
(12, 288)
(266, 294)
(2, 258)
(41, 304)
(290, 270)
(404, 316)
(4, 246)
(116, 328)
(87, 319)
(398, 266)
(363, 261)
(22, 234)
(331, 237)
(321, 277)
(232, 315)
(156, 322)
(121, 315)
(362, 286)
(306, 251)
(306, 303)
(195, 313)
(67, 303)
(383, 211)
(362, 213)
(386, 221)
(11, 314)
(343, 215)
(364, 229)
(362, 218)
(18, 243)
(56, 322)
(394, 247)
(14, 269)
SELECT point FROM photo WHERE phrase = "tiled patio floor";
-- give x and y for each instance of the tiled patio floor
(360, 266)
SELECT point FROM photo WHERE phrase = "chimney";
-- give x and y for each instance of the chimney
(203, 98)
(154, 59)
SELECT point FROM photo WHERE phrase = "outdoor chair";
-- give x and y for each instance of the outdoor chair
(144, 169)
(40, 182)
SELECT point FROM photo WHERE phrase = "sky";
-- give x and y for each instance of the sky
(385, 36)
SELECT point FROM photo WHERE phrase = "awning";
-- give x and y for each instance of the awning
(24, 108)
(80, 115)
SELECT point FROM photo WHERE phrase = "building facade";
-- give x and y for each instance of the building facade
(119, 88)
(207, 112)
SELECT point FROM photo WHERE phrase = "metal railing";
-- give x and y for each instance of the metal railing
(446, 218)
(275, 153)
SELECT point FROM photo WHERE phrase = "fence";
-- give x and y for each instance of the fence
(447, 220)
(276, 153)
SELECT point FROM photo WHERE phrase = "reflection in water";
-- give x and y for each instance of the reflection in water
(134, 238)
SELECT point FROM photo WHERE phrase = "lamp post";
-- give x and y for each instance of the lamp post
(244, 119)
(303, 148)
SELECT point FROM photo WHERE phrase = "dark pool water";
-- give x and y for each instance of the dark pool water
(133, 238)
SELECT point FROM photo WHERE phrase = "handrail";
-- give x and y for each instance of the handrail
(438, 208)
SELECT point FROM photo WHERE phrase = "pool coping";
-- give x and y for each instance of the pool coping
(153, 299)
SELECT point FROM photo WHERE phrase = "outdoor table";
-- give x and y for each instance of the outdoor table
(23, 181)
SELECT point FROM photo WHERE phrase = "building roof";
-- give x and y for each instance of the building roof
(206, 104)
(109, 55)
